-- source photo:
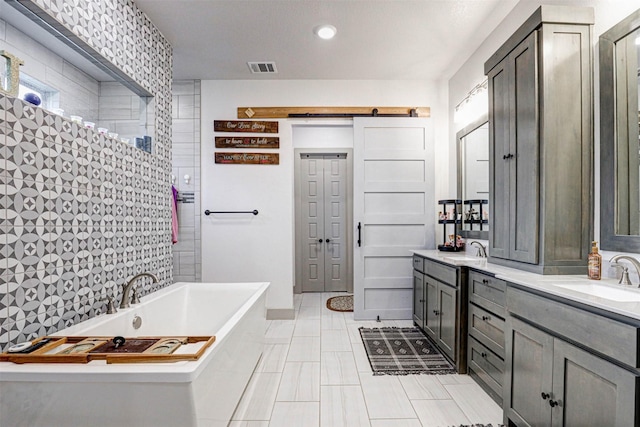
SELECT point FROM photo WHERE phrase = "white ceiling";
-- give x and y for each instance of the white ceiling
(376, 39)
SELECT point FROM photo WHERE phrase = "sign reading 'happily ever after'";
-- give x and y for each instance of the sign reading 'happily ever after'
(247, 158)
(250, 126)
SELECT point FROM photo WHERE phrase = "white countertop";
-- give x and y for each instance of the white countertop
(552, 284)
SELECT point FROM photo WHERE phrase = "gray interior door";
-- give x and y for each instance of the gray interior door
(325, 253)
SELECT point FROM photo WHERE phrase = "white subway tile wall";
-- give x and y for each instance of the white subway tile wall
(186, 161)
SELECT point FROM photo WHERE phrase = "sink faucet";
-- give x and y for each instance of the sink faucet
(632, 260)
(127, 288)
(482, 250)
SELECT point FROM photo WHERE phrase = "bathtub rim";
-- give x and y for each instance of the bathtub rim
(99, 371)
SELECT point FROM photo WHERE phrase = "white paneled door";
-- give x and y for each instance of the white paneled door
(393, 210)
(323, 192)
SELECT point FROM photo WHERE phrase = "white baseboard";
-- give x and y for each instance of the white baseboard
(281, 314)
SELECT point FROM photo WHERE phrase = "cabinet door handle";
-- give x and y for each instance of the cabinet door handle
(485, 318)
(421, 300)
(545, 396)
(485, 282)
(553, 403)
(436, 312)
(359, 234)
(484, 355)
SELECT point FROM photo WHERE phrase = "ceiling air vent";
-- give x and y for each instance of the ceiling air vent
(262, 67)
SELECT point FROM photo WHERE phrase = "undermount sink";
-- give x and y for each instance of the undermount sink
(606, 292)
(462, 259)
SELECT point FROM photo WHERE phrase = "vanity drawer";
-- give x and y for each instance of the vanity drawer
(487, 366)
(441, 272)
(593, 330)
(487, 328)
(418, 263)
(487, 292)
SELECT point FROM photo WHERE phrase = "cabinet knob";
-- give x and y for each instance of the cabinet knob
(436, 312)
(485, 282)
(545, 396)
(421, 300)
(328, 240)
(484, 355)
(553, 403)
(485, 318)
(319, 240)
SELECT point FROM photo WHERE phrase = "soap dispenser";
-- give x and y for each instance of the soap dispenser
(594, 268)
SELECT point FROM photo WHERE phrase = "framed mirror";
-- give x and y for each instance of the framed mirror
(473, 178)
(620, 136)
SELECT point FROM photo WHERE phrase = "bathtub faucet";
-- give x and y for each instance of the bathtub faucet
(127, 288)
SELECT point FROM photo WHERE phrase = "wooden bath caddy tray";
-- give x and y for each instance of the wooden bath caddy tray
(133, 350)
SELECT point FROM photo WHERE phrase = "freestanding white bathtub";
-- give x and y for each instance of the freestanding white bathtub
(191, 393)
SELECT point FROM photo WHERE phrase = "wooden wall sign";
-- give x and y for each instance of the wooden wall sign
(247, 158)
(247, 142)
(252, 126)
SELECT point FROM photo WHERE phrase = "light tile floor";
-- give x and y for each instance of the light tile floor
(314, 372)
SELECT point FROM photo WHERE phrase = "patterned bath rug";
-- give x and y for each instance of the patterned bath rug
(478, 425)
(402, 351)
(340, 303)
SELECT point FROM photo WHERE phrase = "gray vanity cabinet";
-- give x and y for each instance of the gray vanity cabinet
(551, 381)
(554, 383)
(419, 301)
(530, 361)
(540, 143)
(441, 315)
(486, 326)
(439, 307)
(514, 160)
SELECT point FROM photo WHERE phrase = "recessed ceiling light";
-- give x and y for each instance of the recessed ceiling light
(325, 32)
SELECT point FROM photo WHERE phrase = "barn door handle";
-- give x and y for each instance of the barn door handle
(359, 234)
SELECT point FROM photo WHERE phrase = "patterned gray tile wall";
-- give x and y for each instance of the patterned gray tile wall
(81, 213)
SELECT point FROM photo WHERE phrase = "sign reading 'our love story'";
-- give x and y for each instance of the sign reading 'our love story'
(249, 126)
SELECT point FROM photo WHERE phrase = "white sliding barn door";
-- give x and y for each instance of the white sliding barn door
(393, 206)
